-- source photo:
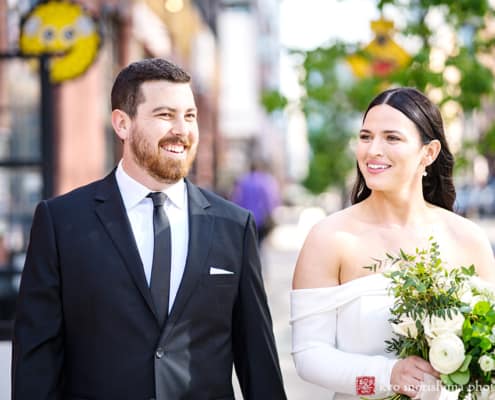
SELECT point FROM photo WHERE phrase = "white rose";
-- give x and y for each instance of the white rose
(447, 353)
(476, 282)
(407, 327)
(436, 326)
(486, 288)
(466, 296)
(487, 363)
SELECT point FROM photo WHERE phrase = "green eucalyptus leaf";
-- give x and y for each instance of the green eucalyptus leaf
(485, 344)
(461, 378)
(481, 308)
(465, 363)
(446, 380)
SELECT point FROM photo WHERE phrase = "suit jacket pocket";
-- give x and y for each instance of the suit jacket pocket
(222, 290)
(224, 279)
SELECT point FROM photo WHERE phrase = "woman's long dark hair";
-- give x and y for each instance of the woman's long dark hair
(438, 187)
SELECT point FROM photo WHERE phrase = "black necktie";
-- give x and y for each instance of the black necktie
(160, 270)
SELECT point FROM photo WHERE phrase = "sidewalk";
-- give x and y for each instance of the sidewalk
(279, 262)
(5, 354)
(279, 255)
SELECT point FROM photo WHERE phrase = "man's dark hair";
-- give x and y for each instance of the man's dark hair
(126, 90)
(438, 187)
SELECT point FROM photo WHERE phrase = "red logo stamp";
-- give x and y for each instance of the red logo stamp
(365, 385)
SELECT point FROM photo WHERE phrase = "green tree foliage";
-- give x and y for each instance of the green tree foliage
(273, 100)
(486, 145)
(327, 108)
(334, 100)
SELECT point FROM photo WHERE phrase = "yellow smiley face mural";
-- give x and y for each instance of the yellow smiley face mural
(61, 27)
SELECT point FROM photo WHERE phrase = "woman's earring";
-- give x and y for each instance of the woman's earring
(425, 173)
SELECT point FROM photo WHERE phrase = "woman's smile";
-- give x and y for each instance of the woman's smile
(377, 167)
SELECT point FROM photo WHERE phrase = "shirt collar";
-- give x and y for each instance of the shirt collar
(177, 194)
(134, 192)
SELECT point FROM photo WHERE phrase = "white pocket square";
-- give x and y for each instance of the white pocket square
(219, 271)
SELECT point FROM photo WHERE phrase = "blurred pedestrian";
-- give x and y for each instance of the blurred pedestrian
(143, 285)
(258, 192)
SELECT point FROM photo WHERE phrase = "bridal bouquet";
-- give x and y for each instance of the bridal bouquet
(446, 317)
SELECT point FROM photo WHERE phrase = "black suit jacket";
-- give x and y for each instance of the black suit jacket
(86, 327)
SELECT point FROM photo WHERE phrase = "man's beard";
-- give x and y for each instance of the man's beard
(154, 161)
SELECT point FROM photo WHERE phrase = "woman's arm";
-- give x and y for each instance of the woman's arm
(315, 354)
(319, 362)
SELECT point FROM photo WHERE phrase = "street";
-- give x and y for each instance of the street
(279, 258)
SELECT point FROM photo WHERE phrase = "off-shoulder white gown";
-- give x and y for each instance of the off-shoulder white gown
(338, 340)
(339, 337)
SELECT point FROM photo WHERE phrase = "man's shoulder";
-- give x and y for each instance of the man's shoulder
(80, 193)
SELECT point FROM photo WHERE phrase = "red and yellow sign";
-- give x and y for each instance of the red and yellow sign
(382, 55)
(61, 27)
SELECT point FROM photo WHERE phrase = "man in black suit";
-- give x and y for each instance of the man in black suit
(96, 319)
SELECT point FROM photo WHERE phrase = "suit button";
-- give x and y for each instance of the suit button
(159, 353)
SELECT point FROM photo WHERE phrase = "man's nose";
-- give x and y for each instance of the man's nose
(179, 127)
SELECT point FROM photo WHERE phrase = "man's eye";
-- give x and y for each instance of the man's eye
(191, 116)
(165, 115)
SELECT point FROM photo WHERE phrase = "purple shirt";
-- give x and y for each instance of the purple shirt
(259, 193)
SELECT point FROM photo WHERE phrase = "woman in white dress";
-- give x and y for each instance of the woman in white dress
(403, 195)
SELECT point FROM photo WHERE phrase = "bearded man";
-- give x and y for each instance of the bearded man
(143, 285)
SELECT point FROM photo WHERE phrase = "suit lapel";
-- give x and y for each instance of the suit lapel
(111, 212)
(200, 237)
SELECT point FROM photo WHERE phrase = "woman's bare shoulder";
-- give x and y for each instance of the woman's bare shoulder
(472, 243)
(319, 261)
(462, 227)
(340, 222)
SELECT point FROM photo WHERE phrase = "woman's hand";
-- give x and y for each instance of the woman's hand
(408, 374)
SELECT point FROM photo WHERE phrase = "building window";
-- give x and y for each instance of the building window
(21, 179)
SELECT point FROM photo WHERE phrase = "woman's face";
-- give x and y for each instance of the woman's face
(390, 153)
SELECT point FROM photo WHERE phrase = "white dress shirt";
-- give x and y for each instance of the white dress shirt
(139, 210)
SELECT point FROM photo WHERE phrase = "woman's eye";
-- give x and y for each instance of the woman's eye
(364, 136)
(190, 116)
(393, 138)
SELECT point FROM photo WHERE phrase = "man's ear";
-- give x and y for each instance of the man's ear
(432, 150)
(121, 124)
